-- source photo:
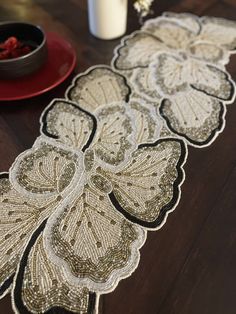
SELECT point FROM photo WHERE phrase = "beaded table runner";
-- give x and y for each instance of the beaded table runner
(108, 165)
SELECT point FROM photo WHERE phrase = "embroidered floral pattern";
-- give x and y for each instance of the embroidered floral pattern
(120, 154)
(98, 86)
(42, 287)
(171, 58)
(80, 201)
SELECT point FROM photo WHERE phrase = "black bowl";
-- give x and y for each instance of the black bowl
(30, 35)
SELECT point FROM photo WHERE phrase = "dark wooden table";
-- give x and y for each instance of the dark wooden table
(189, 266)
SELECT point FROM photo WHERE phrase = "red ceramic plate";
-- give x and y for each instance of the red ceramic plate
(59, 65)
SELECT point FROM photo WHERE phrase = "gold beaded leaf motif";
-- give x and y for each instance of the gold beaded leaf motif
(75, 208)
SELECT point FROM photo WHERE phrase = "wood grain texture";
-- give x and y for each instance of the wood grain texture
(187, 267)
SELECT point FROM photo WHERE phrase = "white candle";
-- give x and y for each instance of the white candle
(107, 18)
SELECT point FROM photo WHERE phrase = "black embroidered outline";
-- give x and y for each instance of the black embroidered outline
(176, 189)
(19, 304)
(4, 175)
(227, 77)
(43, 120)
(90, 71)
(123, 44)
(213, 134)
(7, 283)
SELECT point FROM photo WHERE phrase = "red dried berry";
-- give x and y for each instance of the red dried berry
(11, 43)
(13, 48)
